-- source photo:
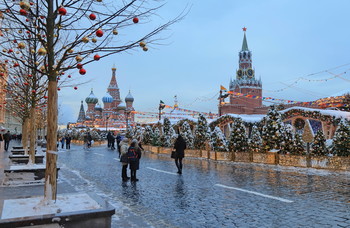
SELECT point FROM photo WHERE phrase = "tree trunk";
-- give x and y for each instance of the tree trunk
(25, 135)
(32, 136)
(51, 150)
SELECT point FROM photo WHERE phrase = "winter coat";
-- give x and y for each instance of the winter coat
(135, 165)
(124, 149)
(7, 137)
(180, 146)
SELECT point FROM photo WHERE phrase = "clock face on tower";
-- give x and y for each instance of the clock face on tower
(239, 73)
(250, 72)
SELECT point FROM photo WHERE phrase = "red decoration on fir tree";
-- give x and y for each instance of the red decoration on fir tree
(97, 57)
(99, 33)
(135, 20)
(79, 65)
(45, 97)
(62, 11)
(33, 91)
(82, 71)
(16, 65)
(92, 16)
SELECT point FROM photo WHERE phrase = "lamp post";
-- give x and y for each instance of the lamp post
(127, 113)
(161, 107)
(107, 117)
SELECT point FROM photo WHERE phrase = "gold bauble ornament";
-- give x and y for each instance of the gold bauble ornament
(32, 51)
(24, 5)
(145, 48)
(17, 52)
(94, 40)
(21, 45)
(36, 63)
(142, 44)
(4, 50)
(70, 51)
(42, 51)
(85, 39)
(115, 32)
(78, 58)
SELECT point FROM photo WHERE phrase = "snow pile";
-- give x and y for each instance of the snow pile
(36, 206)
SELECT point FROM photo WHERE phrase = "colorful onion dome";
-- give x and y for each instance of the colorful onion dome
(107, 98)
(129, 97)
(91, 99)
(98, 107)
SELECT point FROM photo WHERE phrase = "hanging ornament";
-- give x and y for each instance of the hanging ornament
(75, 87)
(142, 44)
(115, 32)
(24, 5)
(16, 65)
(99, 0)
(82, 71)
(78, 58)
(70, 51)
(99, 33)
(79, 65)
(58, 88)
(135, 20)
(62, 11)
(42, 51)
(97, 57)
(92, 16)
(33, 91)
(145, 48)
(23, 12)
(45, 97)
(94, 40)
(85, 39)
(69, 76)
(10, 51)
(21, 45)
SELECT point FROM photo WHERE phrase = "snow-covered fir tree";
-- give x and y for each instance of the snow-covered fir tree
(201, 132)
(298, 145)
(138, 133)
(255, 140)
(156, 137)
(341, 140)
(186, 133)
(238, 141)
(147, 135)
(272, 132)
(218, 140)
(166, 136)
(288, 139)
(129, 132)
(318, 146)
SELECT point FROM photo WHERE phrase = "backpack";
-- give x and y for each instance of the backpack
(132, 155)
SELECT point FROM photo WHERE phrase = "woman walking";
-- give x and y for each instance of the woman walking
(134, 156)
(179, 146)
(124, 158)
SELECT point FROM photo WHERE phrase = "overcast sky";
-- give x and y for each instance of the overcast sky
(288, 40)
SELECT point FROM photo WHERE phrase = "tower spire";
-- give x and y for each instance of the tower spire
(245, 43)
(81, 117)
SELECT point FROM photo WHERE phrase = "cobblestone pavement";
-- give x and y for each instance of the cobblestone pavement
(210, 194)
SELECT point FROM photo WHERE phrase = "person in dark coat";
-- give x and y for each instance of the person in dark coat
(109, 139)
(112, 141)
(134, 165)
(179, 146)
(119, 139)
(68, 139)
(7, 138)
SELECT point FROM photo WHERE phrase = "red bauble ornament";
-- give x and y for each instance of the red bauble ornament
(79, 65)
(62, 11)
(33, 91)
(45, 97)
(135, 20)
(97, 57)
(75, 87)
(29, 75)
(2, 74)
(23, 12)
(69, 76)
(82, 71)
(16, 65)
(99, 33)
(58, 89)
(92, 16)
(58, 78)
(10, 51)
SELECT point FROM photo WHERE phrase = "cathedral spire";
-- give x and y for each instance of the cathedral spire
(113, 84)
(245, 43)
(81, 117)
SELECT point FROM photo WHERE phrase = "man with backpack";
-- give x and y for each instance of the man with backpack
(134, 156)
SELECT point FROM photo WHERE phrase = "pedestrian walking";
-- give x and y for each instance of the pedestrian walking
(7, 138)
(134, 156)
(118, 139)
(68, 140)
(179, 146)
(109, 141)
(124, 146)
(62, 142)
(89, 139)
(112, 141)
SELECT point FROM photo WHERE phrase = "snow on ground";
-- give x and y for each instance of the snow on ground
(27, 166)
(35, 206)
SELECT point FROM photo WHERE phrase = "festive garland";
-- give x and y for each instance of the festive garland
(311, 114)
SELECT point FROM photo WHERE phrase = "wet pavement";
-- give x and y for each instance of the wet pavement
(208, 193)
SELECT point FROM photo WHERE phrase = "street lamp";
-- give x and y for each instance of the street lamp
(127, 113)
(161, 107)
(107, 117)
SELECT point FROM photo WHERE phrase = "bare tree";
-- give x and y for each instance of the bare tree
(71, 34)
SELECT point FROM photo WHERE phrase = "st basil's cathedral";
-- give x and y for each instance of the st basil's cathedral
(115, 114)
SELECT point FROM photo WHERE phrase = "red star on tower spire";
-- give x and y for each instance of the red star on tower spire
(244, 29)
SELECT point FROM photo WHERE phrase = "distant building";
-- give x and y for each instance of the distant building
(115, 114)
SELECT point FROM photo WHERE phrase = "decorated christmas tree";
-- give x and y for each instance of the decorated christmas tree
(138, 133)
(201, 132)
(319, 147)
(288, 136)
(129, 132)
(341, 140)
(147, 135)
(238, 141)
(218, 140)
(255, 141)
(156, 137)
(272, 132)
(166, 136)
(298, 146)
(186, 133)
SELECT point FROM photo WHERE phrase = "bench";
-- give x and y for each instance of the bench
(20, 159)
(37, 170)
(18, 151)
